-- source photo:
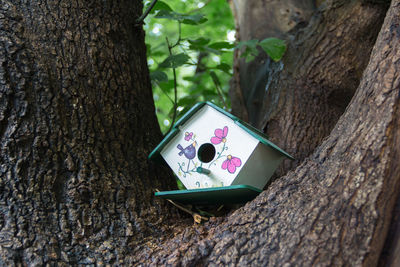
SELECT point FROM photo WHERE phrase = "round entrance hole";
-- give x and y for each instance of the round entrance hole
(206, 152)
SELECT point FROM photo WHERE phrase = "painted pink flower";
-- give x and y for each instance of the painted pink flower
(188, 136)
(220, 135)
(231, 163)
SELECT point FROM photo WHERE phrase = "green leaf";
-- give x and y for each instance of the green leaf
(160, 5)
(209, 94)
(194, 19)
(168, 14)
(167, 86)
(221, 45)
(274, 47)
(189, 100)
(250, 43)
(224, 67)
(191, 78)
(174, 61)
(148, 48)
(198, 44)
(180, 185)
(250, 57)
(249, 53)
(199, 41)
(158, 76)
(215, 51)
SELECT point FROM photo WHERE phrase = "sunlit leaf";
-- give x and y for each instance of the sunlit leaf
(174, 61)
(274, 47)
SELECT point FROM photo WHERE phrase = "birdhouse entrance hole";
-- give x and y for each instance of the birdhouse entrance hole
(206, 152)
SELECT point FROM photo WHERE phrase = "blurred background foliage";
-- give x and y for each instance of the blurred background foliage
(201, 36)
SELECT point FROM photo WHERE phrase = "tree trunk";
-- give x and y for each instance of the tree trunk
(77, 122)
(333, 209)
(298, 101)
(76, 125)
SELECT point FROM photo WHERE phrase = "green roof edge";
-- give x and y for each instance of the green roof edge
(260, 136)
(162, 193)
(175, 130)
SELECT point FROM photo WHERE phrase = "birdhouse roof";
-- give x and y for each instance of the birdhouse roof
(245, 126)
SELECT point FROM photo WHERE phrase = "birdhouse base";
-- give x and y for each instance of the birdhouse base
(233, 194)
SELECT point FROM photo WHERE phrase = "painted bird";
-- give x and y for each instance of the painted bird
(189, 151)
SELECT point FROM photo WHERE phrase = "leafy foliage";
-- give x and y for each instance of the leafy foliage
(198, 50)
(199, 46)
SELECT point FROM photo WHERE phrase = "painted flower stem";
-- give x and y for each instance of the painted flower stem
(219, 156)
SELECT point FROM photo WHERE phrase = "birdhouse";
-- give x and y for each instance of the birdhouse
(217, 157)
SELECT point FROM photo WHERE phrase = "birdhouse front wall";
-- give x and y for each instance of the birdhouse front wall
(212, 141)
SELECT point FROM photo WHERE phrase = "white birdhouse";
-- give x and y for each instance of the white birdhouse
(210, 149)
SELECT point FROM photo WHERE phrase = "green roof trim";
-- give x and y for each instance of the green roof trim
(213, 195)
(260, 136)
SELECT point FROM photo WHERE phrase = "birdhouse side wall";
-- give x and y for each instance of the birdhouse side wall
(232, 145)
(259, 167)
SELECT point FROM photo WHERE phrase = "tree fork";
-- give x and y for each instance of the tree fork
(334, 208)
(298, 101)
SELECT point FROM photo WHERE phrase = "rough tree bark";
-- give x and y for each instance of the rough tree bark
(333, 209)
(77, 122)
(298, 101)
(76, 125)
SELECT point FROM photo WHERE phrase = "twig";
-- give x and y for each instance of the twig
(221, 96)
(162, 90)
(140, 20)
(217, 86)
(196, 216)
(175, 90)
